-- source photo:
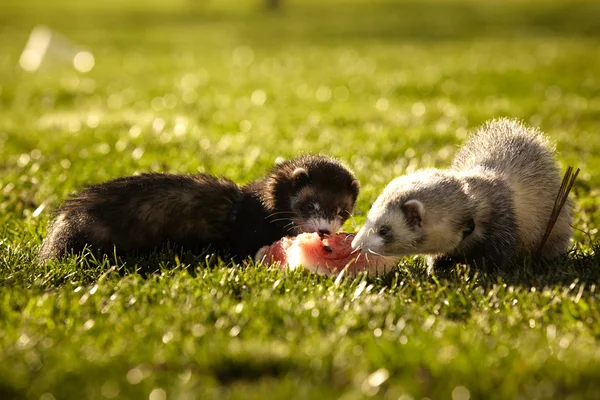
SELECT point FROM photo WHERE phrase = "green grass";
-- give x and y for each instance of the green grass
(388, 87)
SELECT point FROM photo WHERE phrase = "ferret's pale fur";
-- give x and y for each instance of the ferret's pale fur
(490, 208)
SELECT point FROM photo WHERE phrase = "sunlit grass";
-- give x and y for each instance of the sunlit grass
(227, 88)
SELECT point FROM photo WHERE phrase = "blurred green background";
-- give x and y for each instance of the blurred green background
(228, 87)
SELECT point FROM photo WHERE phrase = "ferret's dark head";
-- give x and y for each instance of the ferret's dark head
(316, 193)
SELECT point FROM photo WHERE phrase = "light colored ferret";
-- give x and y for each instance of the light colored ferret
(491, 208)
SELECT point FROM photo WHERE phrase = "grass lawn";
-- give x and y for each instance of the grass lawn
(227, 88)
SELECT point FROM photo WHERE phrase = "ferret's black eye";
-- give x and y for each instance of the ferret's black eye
(311, 207)
(383, 231)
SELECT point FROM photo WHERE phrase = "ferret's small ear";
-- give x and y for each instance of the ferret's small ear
(413, 211)
(300, 175)
(356, 185)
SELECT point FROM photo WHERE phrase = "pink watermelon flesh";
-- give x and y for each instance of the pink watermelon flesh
(326, 255)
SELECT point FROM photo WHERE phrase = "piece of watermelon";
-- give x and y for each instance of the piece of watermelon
(326, 255)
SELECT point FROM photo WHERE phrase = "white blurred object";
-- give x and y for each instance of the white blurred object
(43, 44)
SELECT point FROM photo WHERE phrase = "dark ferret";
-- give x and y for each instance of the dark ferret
(139, 214)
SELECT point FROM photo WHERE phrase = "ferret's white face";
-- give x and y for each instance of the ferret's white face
(320, 224)
(320, 212)
(389, 231)
(398, 225)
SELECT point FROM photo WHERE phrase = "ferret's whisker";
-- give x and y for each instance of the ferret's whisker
(280, 219)
(303, 227)
(279, 213)
(290, 228)
(350, 215)
(375, 253)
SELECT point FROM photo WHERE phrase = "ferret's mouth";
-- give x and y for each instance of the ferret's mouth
(364, 245)
(293, 228)
(317, 225)
(368, 252)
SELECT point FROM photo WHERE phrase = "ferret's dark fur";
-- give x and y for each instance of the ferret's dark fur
(139, 214)
(490, 209)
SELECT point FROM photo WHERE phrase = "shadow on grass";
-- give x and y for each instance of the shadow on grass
(580, 267)
(89, 267)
